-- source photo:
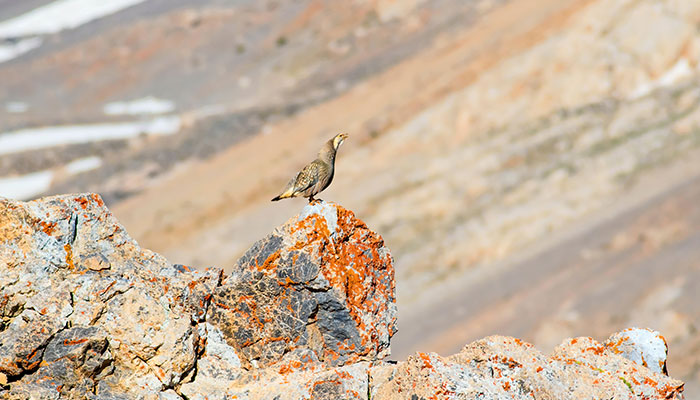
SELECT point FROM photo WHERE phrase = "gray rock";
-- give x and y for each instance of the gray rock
(307, 313)
(322, 282)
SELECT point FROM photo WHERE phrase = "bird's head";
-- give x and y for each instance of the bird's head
(338, 140)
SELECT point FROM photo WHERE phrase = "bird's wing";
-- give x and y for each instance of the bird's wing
(307, 177)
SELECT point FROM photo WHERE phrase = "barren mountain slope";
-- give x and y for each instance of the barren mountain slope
(463, 153)
(225, 194)
(479, 132)
(220, 70)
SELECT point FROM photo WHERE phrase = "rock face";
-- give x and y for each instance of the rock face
(85, 311)
(500, 367)
(307, 313)
(320, 287)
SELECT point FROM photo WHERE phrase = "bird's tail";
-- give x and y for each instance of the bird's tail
(287, 193)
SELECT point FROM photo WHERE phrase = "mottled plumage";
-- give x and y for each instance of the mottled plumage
(315, 176)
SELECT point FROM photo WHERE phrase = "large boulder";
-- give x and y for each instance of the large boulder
(319, 288)
(87, 313)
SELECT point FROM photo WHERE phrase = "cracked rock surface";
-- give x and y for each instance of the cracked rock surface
(87, 313)
(308, 312)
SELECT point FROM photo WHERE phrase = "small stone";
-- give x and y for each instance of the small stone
(643, 346)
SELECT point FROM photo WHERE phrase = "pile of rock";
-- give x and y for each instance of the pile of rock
(307, 313)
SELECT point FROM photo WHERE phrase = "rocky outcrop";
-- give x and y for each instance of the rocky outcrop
(307, 313)
(500, 367)
(321, 286)
(85, 311)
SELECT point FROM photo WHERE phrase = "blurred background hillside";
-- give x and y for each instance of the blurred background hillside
(534, 165)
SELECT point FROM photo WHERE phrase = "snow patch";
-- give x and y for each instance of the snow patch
(26, 186)
(8, 51)
(59, 15)
(40, 138)
(83, 165)
(16, 107)
(144, 106)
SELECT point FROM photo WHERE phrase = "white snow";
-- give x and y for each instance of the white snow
(26, 186)
(83, 165)
(40, 138)
(16, 107)
(59, 15)
(146, 105)
(14, 50)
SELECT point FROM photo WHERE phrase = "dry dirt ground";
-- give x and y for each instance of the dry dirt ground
(533, 162)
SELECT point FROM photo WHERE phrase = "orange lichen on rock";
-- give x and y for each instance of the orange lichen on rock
(48, 227)
(351, 262)
(74, 342)
(426, 360)
(82, 201)
(270, 262)
(290, 367)
(69, 255)
(323, 281)
(97, 199)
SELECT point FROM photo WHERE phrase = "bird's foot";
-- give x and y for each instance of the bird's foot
(314, 201)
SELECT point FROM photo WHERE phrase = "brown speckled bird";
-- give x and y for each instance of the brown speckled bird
(317, 175)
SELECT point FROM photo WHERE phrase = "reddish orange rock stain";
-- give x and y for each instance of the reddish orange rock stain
(82, 201)
(69, 255)
(333, 381)
(343, 374)
(426, 360)
(48, 227)
(97, 199)
(30, 357)
(74, 342)
(289, 367)
(348, 263)
(615, 346)
(270, 262)
(597, 350)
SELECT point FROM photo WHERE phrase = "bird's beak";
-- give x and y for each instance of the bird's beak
(340, 139)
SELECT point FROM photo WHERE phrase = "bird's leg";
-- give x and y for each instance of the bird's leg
(314, 201)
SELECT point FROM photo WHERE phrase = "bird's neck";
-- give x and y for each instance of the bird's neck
(327, 153)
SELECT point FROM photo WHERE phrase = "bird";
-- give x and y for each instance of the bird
(316, 175)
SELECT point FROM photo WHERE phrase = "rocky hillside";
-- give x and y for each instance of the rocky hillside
(308, 312)
(531, 163)
(534, 123)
